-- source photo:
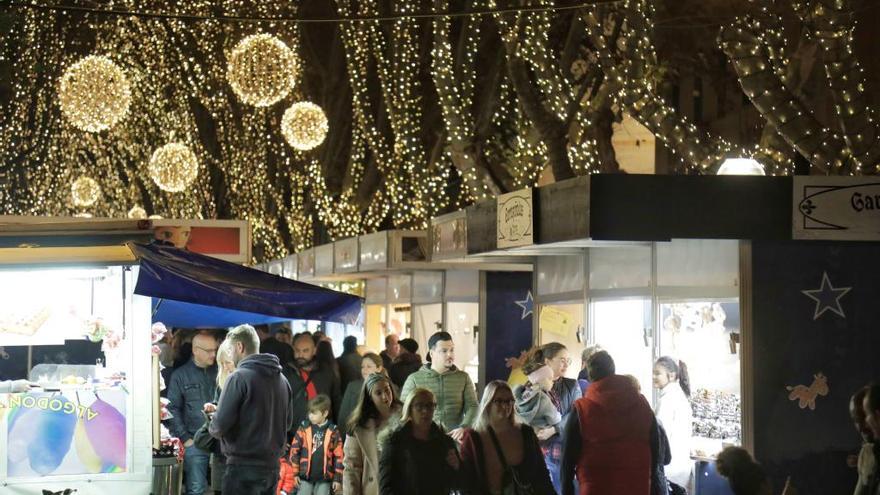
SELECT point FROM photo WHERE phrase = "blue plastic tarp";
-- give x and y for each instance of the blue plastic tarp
(176, 275)
(179, 314)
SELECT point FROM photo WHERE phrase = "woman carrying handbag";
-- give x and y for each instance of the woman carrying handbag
(499, 456)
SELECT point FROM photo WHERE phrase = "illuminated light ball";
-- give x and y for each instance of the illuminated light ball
(94, 94)
(304, 125)
(262, 70)
(137, 213)
(86, 191)
(173, 167)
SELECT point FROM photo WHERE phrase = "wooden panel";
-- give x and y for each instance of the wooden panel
(481, 232)
(563, 211)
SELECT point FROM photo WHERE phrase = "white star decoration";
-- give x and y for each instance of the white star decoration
(526, 304)
(827, 297)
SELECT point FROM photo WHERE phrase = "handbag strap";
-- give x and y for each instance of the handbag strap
(498, 448)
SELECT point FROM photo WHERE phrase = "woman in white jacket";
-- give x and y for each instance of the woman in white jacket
(377, 413)
(675, 414)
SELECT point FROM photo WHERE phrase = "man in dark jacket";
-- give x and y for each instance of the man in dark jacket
(349, 362)
(192, 386)
(253, 417)
(609, 436)
(307, 379)
(407, 362)
(270, 345)
(392, 349)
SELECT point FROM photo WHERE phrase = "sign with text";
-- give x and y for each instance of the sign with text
(71, 432)
(836, 208)
(515, 221)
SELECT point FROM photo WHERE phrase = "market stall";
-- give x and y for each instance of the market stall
(414, 283)
(82, 316)
(649, 266)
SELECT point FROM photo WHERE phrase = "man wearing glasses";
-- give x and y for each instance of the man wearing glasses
(192, 386)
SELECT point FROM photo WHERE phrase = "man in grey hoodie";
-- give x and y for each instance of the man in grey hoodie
(253, 417)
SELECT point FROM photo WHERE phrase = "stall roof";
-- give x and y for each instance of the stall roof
(182, 277)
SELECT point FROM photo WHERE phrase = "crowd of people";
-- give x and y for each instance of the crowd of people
(264, 418)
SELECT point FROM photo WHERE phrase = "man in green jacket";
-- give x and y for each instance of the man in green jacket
(453, 389)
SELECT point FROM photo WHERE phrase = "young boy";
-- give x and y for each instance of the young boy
(315, 454)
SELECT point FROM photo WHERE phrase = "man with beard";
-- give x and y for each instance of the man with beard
(308, 379)
(452, 388)
(253, 417)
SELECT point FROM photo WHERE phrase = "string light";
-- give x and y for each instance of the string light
(304, 125)
(94, 94)
(173, 167)
(85, 191)
(262, 70)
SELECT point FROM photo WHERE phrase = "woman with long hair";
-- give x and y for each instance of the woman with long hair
(419, 457)
(370, 363)
(325, 358)
(202, 439)
(498, 452)
(676, 416)
(563, 393)
(377, 412)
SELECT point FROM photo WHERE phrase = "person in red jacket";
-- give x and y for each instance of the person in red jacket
(314, 465)
(609, 436)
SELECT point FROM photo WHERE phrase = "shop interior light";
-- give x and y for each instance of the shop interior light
(741, 166)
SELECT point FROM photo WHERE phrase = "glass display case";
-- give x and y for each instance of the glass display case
(83, 339)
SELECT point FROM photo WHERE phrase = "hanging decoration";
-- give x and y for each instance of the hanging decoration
(137, 213)
(94, 94)
(86, 191)
(173, 167)
(262, 70)
(304, 125)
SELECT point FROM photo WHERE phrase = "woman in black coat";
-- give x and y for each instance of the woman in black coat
(419, 457)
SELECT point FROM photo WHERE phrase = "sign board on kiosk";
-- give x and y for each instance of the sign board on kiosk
(836, 208)
(228, 240)
(515, 219)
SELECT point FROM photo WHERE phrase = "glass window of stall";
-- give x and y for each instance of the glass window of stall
(427, 306)
(84, 339)
(462, 296)
(620, 309)
(699, 325)
(560, 283)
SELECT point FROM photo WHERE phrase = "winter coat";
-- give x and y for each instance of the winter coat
(349, 369)
(409, 465)
(534, 406)
(609, 441)
(325, 382)
(454, 392)
(675, 414)
(361, 457)
(190, 389)
(567, 391)
(406, 364)
(203, 440)
(531, 470)
(254, 413)
(300, 457)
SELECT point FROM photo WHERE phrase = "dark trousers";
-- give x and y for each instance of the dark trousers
(250, 480)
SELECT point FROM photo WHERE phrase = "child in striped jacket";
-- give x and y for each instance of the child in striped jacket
(314, 464)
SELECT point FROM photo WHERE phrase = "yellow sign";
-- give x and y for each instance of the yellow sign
(556, 321)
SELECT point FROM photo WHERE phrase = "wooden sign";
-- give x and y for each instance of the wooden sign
(515, 220)
(836, 208)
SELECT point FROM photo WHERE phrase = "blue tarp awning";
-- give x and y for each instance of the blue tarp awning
(201, 291)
